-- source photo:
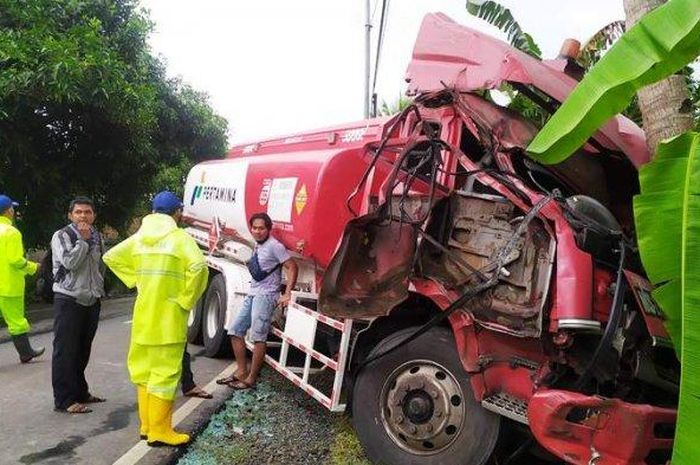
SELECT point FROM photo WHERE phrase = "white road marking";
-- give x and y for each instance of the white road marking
(128, 322)
(137, 452)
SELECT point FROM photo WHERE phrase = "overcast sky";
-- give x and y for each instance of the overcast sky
(273, 67)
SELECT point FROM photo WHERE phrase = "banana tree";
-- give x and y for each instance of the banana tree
(497, 15)
(665, 106)
(667, 212)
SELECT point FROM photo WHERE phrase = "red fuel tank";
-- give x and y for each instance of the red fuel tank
(304, 191)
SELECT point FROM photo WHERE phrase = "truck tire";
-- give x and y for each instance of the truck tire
(415, 406)
(194, 323)
(216, 341)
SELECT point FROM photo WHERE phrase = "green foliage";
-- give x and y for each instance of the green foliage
(593, 50)
(694, 90)
(662, 43)
(346, 448)
(523, 105)
(397, 106)
(85, 109)
(601, 41)
(501, 17)
(667, 214)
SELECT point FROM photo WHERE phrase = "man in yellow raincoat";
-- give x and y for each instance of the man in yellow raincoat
(168, 269)
(13, 268)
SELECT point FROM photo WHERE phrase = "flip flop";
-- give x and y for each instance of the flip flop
(199, 393)
(93, 400)
(240, 386)
(74, 409)
(227, 379)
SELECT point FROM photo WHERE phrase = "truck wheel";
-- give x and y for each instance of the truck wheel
(415, 406)
(216, 340)
(194, 323)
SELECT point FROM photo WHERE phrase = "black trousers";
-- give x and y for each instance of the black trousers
(74, 328)
(187, 377)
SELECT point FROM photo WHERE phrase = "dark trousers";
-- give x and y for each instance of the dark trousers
(74, 329)
(187, 376)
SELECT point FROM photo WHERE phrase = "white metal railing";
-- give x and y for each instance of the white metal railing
(300, 331)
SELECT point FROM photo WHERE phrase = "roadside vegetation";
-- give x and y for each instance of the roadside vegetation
(276, 423)
(87, 109)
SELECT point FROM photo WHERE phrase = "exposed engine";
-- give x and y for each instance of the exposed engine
(474, 228)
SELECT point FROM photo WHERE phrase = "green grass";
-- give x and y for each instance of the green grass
(346, 448)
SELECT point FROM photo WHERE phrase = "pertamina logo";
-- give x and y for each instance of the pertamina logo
(215, 193)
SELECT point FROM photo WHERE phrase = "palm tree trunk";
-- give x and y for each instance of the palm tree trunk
(665, 105)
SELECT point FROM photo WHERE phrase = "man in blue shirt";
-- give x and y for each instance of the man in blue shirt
(265, 267)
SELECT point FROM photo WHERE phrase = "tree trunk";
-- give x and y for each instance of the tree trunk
(665, 105)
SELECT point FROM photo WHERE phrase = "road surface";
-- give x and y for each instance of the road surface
(32, 433)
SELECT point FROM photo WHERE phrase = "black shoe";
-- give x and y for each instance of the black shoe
(24, 348)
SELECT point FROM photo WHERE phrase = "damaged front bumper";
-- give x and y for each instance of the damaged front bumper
(592, 430)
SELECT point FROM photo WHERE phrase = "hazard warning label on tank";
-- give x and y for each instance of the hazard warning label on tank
(279, 205)
(300, 199)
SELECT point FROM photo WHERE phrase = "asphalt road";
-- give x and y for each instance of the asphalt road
(32, 433)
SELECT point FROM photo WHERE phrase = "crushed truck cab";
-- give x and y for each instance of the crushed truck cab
(449, 285)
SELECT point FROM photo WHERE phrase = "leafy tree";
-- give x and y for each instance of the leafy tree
(86, 109)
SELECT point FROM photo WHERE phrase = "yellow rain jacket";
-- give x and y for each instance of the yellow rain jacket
(13, 265)
(167, 267)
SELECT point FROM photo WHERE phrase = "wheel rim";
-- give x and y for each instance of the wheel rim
(422, 407)
(213, 315)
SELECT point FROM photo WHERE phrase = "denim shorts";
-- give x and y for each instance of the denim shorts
(255, 314)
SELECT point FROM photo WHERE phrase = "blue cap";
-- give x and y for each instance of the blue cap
(6, 202)
(166, 202)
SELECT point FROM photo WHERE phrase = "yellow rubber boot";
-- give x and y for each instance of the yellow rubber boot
(142, 396)
(160, 420)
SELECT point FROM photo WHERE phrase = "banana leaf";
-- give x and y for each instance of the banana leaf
(497, 15)
(667, 214)
(660, 44)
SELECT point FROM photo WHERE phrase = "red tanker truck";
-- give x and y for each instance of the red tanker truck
(450, 287)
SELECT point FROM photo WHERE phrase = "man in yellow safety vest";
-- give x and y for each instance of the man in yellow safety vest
(169, 271)
(13, 268)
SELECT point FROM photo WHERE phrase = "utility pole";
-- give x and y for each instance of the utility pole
(368, 27)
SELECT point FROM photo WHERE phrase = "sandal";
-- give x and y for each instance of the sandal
(198, 392)
(93, 399)
(240, 385)
(75, 408)
(228, 379)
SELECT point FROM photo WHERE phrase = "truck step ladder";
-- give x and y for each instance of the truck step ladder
(300, 332)
(506, 405)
